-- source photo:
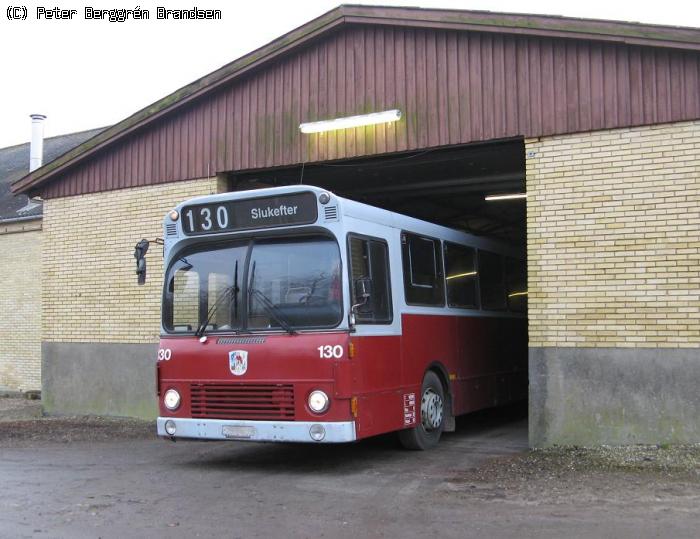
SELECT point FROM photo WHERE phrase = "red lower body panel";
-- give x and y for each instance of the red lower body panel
(482, 360)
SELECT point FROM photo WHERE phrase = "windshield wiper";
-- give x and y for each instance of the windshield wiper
(268, 305)
(271, 310)
(235, 292)
(225, 292)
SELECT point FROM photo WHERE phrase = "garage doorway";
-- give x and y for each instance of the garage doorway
(448, 186)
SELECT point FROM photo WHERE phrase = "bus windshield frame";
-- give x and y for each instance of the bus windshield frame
(254, 284)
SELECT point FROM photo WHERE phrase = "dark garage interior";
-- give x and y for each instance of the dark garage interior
(442, 185)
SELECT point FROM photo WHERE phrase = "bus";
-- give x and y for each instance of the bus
(290, 314)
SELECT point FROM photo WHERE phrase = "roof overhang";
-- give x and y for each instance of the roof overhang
(481, 21)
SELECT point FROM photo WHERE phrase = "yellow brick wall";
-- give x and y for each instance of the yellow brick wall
(90, 291)
(613, 226)
(20, 305)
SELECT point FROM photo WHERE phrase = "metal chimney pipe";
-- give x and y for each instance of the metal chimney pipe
(36, 147)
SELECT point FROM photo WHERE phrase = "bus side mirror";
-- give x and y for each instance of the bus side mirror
(140, 255)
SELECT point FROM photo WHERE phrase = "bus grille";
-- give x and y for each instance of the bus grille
(243, 401)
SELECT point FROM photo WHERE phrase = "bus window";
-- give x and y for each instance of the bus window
(460, 268)
(219, 285)
(422, 270)
(186, 309)
(369, 259)
(493, 295)
(516, 285)
(201, 284)
(297, 280)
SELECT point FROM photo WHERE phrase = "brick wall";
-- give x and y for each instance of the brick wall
(613, 227)
(90, 292)
(20, 306)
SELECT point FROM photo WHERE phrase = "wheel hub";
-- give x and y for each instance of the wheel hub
(431, 410)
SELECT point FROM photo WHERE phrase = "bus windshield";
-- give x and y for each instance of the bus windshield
(292, 283)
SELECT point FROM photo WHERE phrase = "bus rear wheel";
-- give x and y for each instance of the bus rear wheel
(432, 416)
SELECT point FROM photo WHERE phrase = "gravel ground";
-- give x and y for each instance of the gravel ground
(570, 475)
(22, 425)
(67, 430)
(91, 477)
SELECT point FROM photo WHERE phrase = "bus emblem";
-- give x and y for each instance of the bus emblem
(238, 362)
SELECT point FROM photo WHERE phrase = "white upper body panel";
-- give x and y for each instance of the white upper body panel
(340, 217)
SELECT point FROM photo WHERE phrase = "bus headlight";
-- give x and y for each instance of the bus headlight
(171, 399)
(170, 427)
(317, 432)
(318, 401)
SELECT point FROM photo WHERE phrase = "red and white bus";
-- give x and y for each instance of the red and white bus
(291, 314)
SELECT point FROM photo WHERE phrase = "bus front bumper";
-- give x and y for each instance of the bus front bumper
(258, 431)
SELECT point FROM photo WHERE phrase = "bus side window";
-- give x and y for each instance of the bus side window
(516, 285)
(369, 259)
(422, 270)
(493, 296)
(460, 268)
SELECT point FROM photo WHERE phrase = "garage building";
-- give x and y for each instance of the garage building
(598, 121)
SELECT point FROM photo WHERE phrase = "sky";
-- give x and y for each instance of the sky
(85, 74)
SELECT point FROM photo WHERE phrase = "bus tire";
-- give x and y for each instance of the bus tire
(427, 433)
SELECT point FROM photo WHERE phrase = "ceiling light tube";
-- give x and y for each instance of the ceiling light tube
(508, 196)
(351, 121)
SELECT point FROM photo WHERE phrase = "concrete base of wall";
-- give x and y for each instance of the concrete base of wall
(615, 396)
(99, 379)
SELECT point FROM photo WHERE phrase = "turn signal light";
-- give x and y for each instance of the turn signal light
(353, 407)
(351, 350)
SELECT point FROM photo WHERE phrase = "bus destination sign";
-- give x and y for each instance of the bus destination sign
(253, 213)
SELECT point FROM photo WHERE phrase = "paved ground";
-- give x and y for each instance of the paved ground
(69, 478)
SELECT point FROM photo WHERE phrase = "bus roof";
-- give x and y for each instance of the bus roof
(366, 212)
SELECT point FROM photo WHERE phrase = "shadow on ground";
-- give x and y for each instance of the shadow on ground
(477, 432)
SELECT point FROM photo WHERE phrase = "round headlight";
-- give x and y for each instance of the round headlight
(174, 215)
(318, 401)
(170, 427)
(317, 432)
(324, 198)
(171, 399)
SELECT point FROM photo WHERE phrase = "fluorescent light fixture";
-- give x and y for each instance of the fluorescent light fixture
(508, 196)
(458, 275)
(516, 294)
(351, 121)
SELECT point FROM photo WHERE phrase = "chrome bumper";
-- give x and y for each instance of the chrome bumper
(257, 431)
